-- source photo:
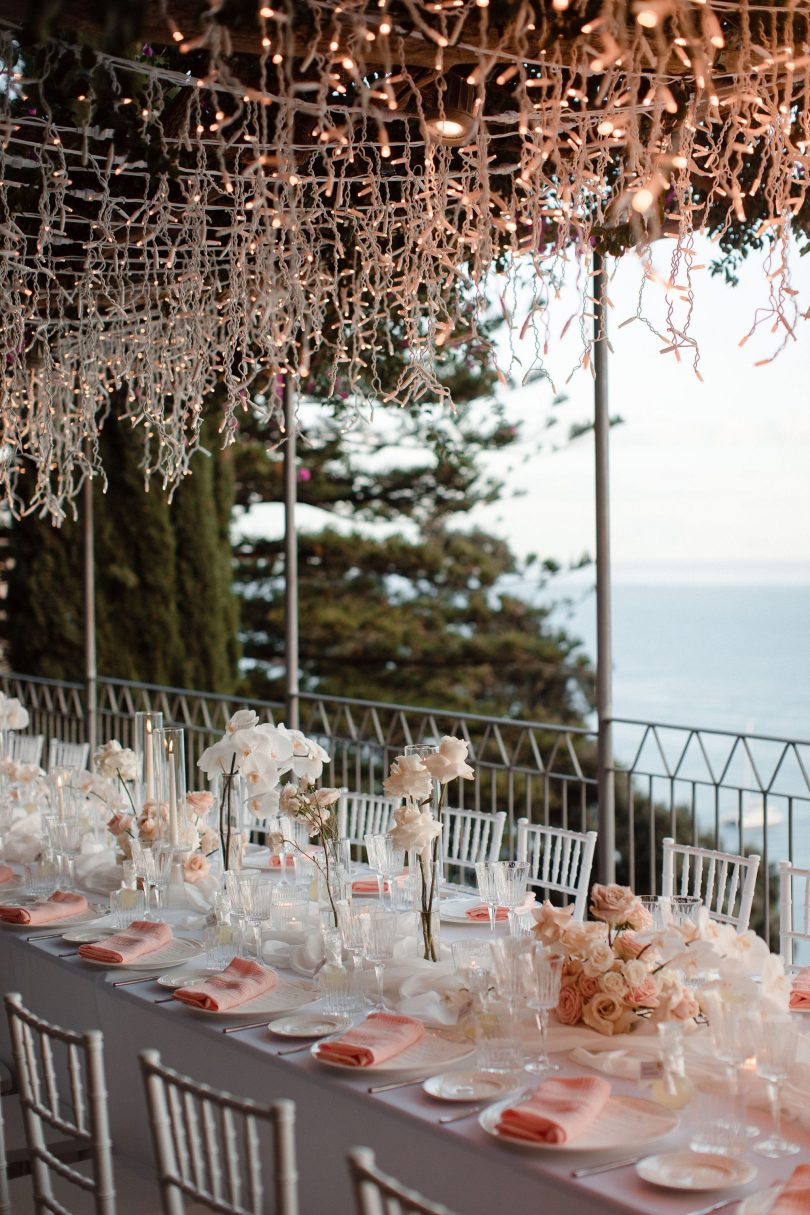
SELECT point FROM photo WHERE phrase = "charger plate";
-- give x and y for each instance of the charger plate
(178, 951)
(94, 912)
(432, 1053)
(624, 1124)
(285, 997)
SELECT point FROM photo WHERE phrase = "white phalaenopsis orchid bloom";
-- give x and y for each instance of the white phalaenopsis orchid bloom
(243, 719)
(13, 716)
(409, 778)
(450, 761)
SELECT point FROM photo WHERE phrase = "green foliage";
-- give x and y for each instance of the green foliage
(164, 607)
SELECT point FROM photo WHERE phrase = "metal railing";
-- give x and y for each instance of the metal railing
(749, 793)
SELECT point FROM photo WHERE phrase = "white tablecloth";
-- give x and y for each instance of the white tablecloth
(459, 1164)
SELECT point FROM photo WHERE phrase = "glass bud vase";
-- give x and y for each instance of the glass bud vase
(229, 800)
(427, 906)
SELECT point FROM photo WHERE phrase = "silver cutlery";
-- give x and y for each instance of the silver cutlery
(605, 1168)
(294, 1050)
(164, 1000)
(385, 1088)
(717, 1206)
(476, 1109)
(237, 1029)
(45, 936)
(132, 982)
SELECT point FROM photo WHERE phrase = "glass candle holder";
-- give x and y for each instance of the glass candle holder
(145, 726)
(171, 783)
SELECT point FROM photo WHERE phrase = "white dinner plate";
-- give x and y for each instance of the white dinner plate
(178, 951)
(88, 936)
(468, 1086)
(103, 880)
(307, 1025)
(453, 911)
(183, 978)
(695, 1171)
(761, 1202)
(624, 1123)
(426, 1057)
(94, 912)
(285, 997)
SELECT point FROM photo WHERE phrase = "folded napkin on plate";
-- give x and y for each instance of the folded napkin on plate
(142, 937)
(381, 1036)
(60, 906)
(433, 992)
(7, 874)
(557, 1111)
(480, 913)
(611, 1062)
(240, 981)
(369, 886)
(800, 989)
(795, 1196)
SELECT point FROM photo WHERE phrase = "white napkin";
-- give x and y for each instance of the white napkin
(23, 843)
(611, 1062)
(433, 992)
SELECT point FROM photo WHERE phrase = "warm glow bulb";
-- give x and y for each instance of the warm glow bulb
(643, 199)
(447, 128)
(648, 18)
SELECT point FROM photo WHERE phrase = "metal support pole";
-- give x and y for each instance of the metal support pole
(90, 665)
(290, 559)
(604, 648)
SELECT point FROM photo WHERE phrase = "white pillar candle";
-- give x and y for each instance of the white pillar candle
(174, 835)
(147, 761)
(60, 797)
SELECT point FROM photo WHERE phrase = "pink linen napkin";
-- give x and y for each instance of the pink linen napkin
(240, 981)
(60, 906)
(379, 1037)
(480, 913)
(795, 1196)
(275, 859)
(800, 989)
(558, 1111)
(369, 886)
(7, 874)
(142, 937)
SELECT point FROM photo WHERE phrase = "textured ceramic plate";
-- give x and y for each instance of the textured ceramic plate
(695, 1171)
(307, 1025)
(178, 951)
(286, 996)
(87, 936)
(625, 1123)
(104, 880)
(430, 1054)
(468, 1086)
(453, 911)
(760, 1203)
(94, 912)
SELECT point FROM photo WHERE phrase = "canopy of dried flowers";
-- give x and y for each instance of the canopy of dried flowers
(230, 195)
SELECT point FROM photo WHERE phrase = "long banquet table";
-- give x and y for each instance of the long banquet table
(457, 1164)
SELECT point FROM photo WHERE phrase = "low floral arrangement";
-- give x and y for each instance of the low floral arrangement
(618, 972)
(416, 829)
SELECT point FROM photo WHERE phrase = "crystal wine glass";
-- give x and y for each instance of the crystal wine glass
(257, 903)
(352, 924)
(511, 879)
(157, 863)
(380, 932)
(67, 836)
(511, 958)
(485, 877)
(543, 983)
(734, 1028)
(777, 1046)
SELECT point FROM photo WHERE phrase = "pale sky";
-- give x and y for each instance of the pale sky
(706, 473)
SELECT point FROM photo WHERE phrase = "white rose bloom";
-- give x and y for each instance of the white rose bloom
(243, 719)
(414, 829)
(635, 972)
(408, 778)
(114, 761)
(450, 761)
(613, 981)
(13, 716)
(599, 958)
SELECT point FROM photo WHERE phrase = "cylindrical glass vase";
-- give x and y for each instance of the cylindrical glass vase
(145, 727)
(171, 782)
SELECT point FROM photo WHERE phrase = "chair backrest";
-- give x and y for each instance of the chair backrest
(5, 1200)
(62, 1087)
(725, 881)
(26, 748)
(794, 915)
(378, 1194)
(207, 1145)
(471, 836)
(559, 861)
(68, 755)
(362, 814)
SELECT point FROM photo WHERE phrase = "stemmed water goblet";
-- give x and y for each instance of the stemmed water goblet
(473, 959)
(734, 1029)
(543, 976)
(380, 932)
(157, 864)
(777, 1046)
(485, 877)
(257, 903)
(385, 857)
(67, 835)
(511, 880)
(352, 924)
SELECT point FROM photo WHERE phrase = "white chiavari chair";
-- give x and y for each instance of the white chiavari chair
(68, 755)
(361, 814)
(559, 861)
(63, 1091)
(208, 1149)
(5, 1198)
(725, 881)
(376, 1193)
(794, 915)
(26, 748)
(471, 836)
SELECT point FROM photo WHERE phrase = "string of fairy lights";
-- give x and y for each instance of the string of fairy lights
(348, 190)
